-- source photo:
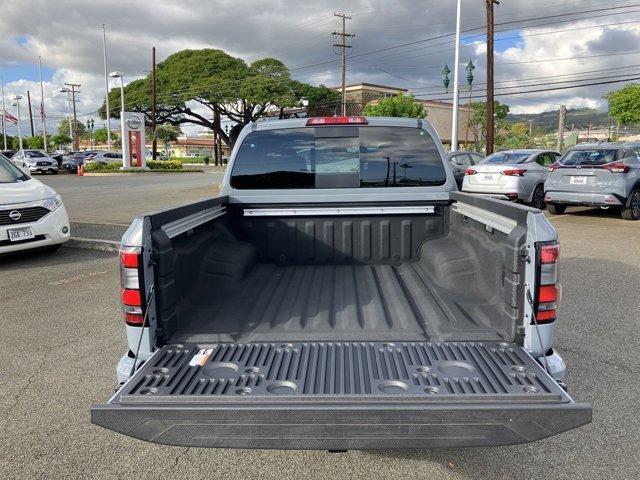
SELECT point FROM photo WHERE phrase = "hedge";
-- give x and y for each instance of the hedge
(188, 159)
(153, 165)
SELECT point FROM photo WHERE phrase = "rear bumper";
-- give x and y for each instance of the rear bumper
(342, 426)
(584, 198)
(339, 396)
(511, 190)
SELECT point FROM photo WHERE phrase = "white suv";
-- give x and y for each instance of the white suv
(31, 214)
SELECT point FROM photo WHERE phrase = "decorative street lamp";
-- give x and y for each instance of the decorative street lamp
(445, 77)
(469, 68)
(90, 125)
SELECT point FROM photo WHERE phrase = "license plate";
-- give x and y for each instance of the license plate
(18, 234)
(578, 180)
(488, 177)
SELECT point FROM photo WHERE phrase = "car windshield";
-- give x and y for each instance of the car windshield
(338, 157)
(507, 157)
(33, 154)
(9, 173)
(596, 156)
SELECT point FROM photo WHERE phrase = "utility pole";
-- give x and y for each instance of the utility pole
(589, 132)
(561, 121)
(490, 33)
(30, 112)
(106, 86)
(456, 95)
(76, 139)
(343, 56)
(154, 148)
(531, 128)
(43, 116)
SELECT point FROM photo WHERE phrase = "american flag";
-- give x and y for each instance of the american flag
(10, 118)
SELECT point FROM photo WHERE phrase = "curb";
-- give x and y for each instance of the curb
(93, 244)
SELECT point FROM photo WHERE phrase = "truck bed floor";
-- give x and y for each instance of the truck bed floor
(328, 303)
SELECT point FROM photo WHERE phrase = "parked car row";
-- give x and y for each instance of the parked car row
(605, 175)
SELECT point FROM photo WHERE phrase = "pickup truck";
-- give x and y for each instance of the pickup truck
(340, 294)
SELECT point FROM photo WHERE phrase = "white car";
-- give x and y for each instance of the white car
(516, 175)
(31, 214)
(37, 161)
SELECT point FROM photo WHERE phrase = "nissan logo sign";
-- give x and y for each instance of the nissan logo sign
(15, 215)
(134, 122)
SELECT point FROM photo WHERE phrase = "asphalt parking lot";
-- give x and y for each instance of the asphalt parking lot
(62, 334)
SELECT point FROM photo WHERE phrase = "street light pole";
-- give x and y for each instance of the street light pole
(125, 144)
(469, 68)
(106, 86)
(454, 122)
(4, 124)
(17, 99)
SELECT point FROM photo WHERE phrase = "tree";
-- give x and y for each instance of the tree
(36, 143)
(478, 122)
(624, 104)
(167, 133)
(63, 127)
(60, 140)
(224, 85)
(400, 106)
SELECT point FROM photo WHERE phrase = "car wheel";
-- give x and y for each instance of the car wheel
(556, 209)
(632, 210)
(538, 198)
(55, 172)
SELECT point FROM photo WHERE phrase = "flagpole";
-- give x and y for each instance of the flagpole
(42, 114)
(4, 126)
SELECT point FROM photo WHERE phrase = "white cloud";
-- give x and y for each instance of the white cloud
(68, 36)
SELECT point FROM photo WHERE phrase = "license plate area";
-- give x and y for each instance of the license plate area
(20, 234)
(578, 180)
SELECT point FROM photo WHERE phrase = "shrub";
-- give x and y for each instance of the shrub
(99, 167)
(189, 159)
(164, 165)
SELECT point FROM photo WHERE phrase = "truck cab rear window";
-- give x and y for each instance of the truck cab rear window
(346, 157)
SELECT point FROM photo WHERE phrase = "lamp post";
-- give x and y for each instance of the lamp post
(456, 70)
(125, 144)
(90, 125)
(469, 68)
(17, 99)
(445, 77)
(66, 90)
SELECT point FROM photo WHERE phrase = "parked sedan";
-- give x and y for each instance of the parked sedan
(461, 160)
(104, 158)
(75, 159)
(31, 214)
(8, 153)
(37, 161)
(516, 175)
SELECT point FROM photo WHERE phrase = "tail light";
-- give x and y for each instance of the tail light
(470, 171)
(319, 121)
(514, 172)
(554, 166)
(132, 297)
(617, 167)
(548, 291)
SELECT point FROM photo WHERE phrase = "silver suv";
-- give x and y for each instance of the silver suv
(601, 175)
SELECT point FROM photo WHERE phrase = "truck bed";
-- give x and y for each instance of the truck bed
(330, 303)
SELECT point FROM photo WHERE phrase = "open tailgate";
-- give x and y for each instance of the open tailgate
(338, 396)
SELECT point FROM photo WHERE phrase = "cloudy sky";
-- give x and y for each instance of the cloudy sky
(541, 44)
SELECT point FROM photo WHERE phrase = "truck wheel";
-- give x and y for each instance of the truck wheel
(632, 210)
(556, 209)
(537, 200)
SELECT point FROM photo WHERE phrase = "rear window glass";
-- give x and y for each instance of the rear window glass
(507, 157)
(337, 157)
(589, 157)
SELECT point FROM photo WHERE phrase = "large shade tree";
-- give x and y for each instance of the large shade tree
(201, 86)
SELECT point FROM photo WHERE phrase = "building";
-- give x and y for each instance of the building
(440, 114)
(195, 147)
